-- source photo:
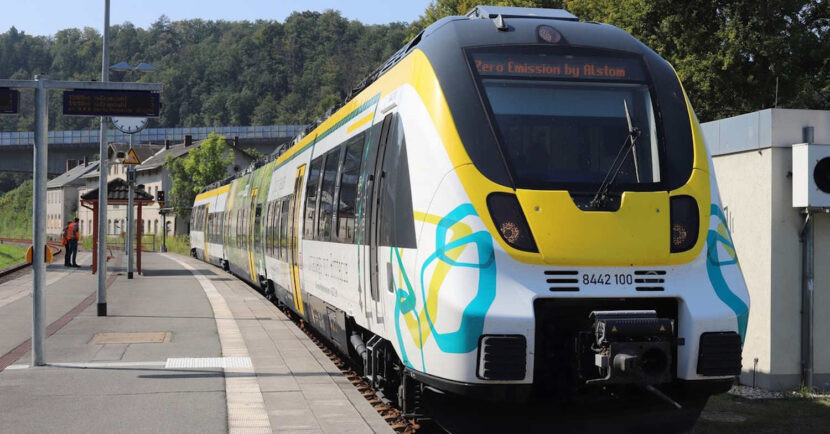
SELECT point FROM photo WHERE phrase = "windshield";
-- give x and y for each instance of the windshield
(561, 119)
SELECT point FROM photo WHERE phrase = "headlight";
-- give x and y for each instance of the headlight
(510, 221)
(685, 223)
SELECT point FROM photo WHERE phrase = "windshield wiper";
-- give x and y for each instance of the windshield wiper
(629, 146)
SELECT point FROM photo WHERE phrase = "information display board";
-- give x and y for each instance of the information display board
(550, 66)
(9, 99)
(111, 103)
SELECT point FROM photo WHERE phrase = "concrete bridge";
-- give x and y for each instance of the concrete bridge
(16, 147)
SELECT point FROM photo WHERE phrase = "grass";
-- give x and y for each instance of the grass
(731, 414)
(16, 212)
(178, 244)
(11, 254)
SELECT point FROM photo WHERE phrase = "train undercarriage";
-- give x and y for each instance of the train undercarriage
(581, 370)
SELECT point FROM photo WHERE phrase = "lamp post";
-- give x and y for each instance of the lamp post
(101, 259)
(131, 126)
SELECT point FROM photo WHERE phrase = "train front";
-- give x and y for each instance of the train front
(578, 245)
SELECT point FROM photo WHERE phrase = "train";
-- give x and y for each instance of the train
(517, 206)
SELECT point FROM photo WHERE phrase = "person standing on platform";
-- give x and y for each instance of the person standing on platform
(72, 243)
(65, 242)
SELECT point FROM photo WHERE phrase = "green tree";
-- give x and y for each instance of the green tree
(204, 164)
(255, 153)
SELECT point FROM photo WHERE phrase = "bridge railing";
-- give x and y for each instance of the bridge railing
(154, 134)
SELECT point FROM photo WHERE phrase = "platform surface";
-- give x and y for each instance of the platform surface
(186, 347)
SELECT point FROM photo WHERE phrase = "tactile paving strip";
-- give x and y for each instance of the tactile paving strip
(208, 362)
(246, 407)
(132, 338)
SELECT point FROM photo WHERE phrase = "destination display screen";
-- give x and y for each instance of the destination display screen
(558, 66)
(111, 103)
(9, 99)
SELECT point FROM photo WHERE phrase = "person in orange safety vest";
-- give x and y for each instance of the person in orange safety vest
(72, 236)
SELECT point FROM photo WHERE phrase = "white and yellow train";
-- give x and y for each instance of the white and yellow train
(516, 204)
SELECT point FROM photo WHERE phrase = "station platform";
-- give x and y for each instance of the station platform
(185, 347)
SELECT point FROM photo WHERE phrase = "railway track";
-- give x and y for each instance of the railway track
(54, 245)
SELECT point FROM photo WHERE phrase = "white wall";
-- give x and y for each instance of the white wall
(746, 201)
(753, 164)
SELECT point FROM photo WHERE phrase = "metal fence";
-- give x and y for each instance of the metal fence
(157, 135)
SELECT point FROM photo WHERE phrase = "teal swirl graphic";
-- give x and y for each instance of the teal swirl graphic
(713, 268)
(465, 338)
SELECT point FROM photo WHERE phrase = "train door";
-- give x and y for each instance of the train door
(206, 230)
(375, 188)
(294, 237)
(253, 214)
(258, 237)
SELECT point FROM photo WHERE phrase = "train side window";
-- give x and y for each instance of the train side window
(239, 232)
(245, 228)
(268, 223)
(196, 218)
(284, 228)
(231, 228)
(311, 194)
(274, 227)
(201, 218)
(277, 228)
(277, 223)
(327, 195)
(220, 217)
(397, 225)
(347, 196)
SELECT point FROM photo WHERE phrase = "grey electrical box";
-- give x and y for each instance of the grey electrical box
(811, 175)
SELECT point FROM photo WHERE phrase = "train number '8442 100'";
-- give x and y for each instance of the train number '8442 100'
(608, 279)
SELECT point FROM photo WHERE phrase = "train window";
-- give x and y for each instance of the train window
(239, 228)
(349, 175)
(215, 229)
(266, 222)
(284, 228)
(269, 228)
(245, 228)
(276, 233)
(327, 195)
(311, 194)
(397, 226)
(272, 230)
(561, 127)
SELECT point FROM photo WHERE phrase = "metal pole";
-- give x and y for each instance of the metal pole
(102, 177)
(807, 270)
(38, 219)
(130, 192)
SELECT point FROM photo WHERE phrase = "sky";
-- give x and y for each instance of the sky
(45, 17)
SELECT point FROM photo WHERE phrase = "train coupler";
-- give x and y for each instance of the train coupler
(628, 347)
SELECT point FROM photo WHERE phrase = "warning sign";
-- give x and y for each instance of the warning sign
(132, 158)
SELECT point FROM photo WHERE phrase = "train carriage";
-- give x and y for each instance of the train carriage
(207, 224)
(517, 205)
